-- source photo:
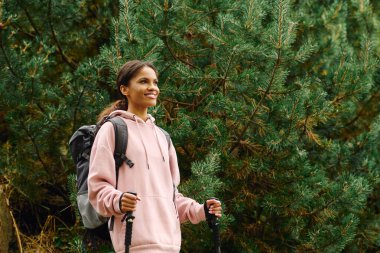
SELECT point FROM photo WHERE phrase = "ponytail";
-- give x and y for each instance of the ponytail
(121, 104)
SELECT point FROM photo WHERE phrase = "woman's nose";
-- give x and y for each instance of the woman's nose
(152, 85)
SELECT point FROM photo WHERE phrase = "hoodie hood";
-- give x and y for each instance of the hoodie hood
(149, 123)
(131, 116)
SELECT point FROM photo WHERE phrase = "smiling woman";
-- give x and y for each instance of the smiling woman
(149, 188)
(141, 91)
(131, 73)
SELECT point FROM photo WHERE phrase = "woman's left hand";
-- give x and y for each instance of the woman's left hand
(215, 207)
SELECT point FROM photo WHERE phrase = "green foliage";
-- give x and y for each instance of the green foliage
(72, 192)
(273, 107)
(41, 45)
(204, 175)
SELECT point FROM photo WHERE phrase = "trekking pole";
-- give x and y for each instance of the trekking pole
(128, 231)
(213, 223)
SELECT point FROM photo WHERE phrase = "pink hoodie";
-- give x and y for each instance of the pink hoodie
(154, 177)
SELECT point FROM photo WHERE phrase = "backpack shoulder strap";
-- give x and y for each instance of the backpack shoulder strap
(167, 135)
(121, 141)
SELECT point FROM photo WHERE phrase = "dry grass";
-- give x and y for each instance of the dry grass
(55, 235)
(44, 242)
(41, 243)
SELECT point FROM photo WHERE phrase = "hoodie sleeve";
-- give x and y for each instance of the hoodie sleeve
(102, 177)
(188, 209)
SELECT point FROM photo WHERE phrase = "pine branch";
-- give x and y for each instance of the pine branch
(213, 90)
(290, 128)
(363, 117)
(35, 146)
(315, 211)
(164, 36)
(177, 102)
(219, 83)
(130, 37)
(151, 52)
(227, 71)
(275, 68)
(291, 119)
(30, 20)
(72, 65)
(202, 17)
(22, 31)
(76, 109)
(281, 93)
(277, 65)
(118, 51)
(37, 103)
(187, 152)
(6, 57)
(306, 119)
(166, 43)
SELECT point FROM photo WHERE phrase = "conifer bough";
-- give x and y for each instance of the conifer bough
(285, 91)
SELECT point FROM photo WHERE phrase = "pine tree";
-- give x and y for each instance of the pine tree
(273, 106)
(273, 87)
(41, 46)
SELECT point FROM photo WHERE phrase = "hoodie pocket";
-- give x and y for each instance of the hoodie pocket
(156, 222)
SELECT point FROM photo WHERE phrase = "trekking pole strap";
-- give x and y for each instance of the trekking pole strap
(128, 217)
(216, 238)
(128, 236)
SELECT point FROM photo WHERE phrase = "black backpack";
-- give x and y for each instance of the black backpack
(80, 146)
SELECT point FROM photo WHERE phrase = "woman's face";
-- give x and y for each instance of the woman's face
(142, 90)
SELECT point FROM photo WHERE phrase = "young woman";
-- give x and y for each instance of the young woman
(158, 207)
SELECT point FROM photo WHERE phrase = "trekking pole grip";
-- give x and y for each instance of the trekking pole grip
(211, 219)
(213, 223)
(129, 214)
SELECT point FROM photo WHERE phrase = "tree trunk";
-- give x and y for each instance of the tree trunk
(5, 221)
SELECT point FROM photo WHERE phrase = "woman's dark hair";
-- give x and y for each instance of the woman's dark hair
(125, 74)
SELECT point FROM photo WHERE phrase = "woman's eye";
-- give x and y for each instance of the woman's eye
(145, 81)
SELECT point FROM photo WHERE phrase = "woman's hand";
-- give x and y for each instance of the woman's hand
(214, 207)
(128, 202)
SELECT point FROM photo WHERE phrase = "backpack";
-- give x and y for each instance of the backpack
(80, 146)
(96, 228)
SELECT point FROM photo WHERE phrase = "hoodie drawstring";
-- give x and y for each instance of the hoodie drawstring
(158, 143)
(142, 140)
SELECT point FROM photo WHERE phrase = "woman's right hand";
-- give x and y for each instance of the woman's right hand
(128, 202)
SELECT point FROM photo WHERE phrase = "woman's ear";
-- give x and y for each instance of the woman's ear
(124, 90)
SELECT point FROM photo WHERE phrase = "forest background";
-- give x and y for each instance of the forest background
(273, 106)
